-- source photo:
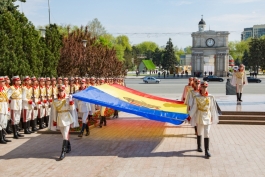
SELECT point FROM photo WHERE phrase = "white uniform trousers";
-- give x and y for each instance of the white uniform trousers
(205, 128)
(84, 116)
(3, 121)
(239, 88)
(15, 116)
(93, 109)
(34, 114)
(27, 114)
(65, 132)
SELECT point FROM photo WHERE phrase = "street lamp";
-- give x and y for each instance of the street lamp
(43, 32)
(84, 42)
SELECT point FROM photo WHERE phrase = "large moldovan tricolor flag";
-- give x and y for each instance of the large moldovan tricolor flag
(131, 101)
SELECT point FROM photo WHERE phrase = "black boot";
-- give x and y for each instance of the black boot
(21, 123)
(237, 95)
(14, 127)
(199, 148)
(195, 128)
(18, 134)
(8, 129)
(104, 120)
(62, 156)
(87, 130)
(240, 95)
(43, 122)
(47, 121)
(101, 121)
(206, 146)
(40, 120)
(4, 137)
(2, 141)
(26, 128)
(82, 130)
(68, 147)
(32, 126)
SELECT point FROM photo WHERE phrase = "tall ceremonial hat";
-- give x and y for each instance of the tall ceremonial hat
(102, 79)
(26, 78)
(15, 78)
(2, 79)
(61, 87)
(59, 78)
(83, 81)
(198, 81)
(92, 78)
(6, 78)
(41, 79)
(72, 79)
(48, 79)
(65, 79)
(53, 79)
(33, 78)
(191, 79)
(204, 84)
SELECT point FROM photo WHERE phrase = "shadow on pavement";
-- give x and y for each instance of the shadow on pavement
(122, 138)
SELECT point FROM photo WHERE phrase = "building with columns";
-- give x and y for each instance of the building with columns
(210, 51)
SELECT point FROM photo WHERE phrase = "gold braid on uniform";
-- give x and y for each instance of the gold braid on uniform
(59, 107)
(202, 103)
(239, 75)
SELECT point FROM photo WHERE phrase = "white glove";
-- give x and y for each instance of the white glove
(33, 104)
(70, 98)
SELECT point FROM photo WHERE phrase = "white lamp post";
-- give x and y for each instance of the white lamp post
(43, 32)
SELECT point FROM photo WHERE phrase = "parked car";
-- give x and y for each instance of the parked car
(151, 80)
(252, 79)
(213, 78)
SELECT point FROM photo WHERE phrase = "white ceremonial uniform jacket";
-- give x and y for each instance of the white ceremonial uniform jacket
(26, 97)
(239, 78)
(204, 111)
(60, 112)
(15, 94)
(189, 101)
(3, 101)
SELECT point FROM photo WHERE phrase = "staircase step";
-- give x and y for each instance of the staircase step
(242, 113)
(244, 122)
(242, 117)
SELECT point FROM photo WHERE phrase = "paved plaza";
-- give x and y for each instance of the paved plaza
(134, 146)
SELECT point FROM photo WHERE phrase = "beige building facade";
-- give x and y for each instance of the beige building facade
(210, 51)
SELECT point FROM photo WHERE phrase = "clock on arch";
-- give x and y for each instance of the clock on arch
(210, 42)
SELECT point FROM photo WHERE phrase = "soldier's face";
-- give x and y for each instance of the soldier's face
(17, 82)
(48, 83)
(60, 81)
(8, 81)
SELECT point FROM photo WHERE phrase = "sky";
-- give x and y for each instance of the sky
(151, 20)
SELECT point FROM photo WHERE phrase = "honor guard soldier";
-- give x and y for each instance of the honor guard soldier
(76, 84)
(3, 111)
(187, 88)
(35, 103)
(67, 86)
(62, 117)
(239, 80)
(6, 87)
(102, 109)
(189, 101)
(15, 95)
(27, 104)
(83, 111)
(42, 103)
(59, 80)
(205, 113)
(49, 101)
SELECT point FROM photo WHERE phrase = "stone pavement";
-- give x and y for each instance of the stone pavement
(134, 146)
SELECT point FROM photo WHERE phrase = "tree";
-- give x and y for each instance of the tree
(245, 59)
(257, 53)
(169, 58)
(19, 43)
(146, 46)
(157, 57)
(237, 48)
(96, 28)
(51, 44)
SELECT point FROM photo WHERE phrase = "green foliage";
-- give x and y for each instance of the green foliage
(157, 56)
(146, 46)
(169, 59)
(237, 48)
(256, 53)
(96, 28)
